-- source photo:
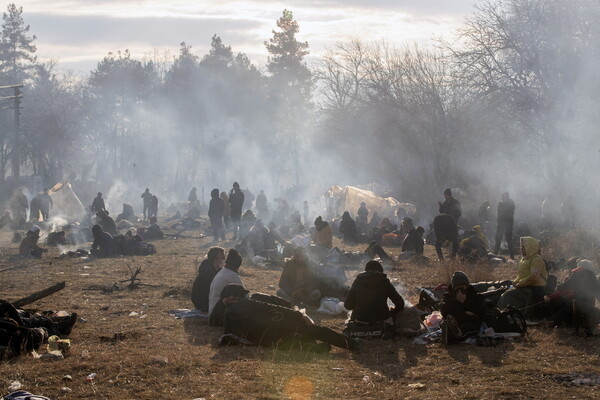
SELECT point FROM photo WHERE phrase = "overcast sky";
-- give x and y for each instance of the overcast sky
(79, 33)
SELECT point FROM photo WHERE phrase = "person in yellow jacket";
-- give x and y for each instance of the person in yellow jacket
(532, 275)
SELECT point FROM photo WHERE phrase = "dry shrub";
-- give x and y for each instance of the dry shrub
(575, 242)
(475, 272)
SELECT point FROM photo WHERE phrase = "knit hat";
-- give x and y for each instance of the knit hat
(448, 192)
(374, 266)
(459, 278)
(233, 290)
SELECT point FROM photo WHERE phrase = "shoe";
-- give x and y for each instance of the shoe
(453, 327)
(66, 324)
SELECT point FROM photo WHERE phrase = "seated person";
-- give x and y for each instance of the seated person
(5, 220)
(250, 321)
(215, 259)
(576, 297)
(29, 245)
(246, 223)
(375, 250)
(227, 275)
(474, 246)
(106, 222)
(413, 243)
(368, 296)
(273, 237)
(532, 276)
(406, 225)
(127, 213)
(446, 230)
(153, 232)
(386, 226)
(297, 283)
(103, 245)
(323, 234)
(463, 309)
(348, 228)
(375, 220)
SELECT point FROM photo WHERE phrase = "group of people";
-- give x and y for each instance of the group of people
(39, 209)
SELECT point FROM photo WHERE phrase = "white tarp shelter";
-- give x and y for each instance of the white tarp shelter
(65, 202)
(350, 197)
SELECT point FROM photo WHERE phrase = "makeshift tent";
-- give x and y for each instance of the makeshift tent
(349, 199)
(66, 203)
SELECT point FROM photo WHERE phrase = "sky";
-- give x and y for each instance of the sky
(79, 33)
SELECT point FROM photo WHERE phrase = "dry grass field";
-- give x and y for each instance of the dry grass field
(160, 357)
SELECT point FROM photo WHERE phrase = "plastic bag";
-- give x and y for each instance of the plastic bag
(433, 320)
(331, 306)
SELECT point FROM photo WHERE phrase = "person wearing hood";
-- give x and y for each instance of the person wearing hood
(504, 224)
(414, 241)
(450, 206)
(323, 235)
(462, 308)
(369, 294)
(215, 260)
(229, 274)
(348, 228)
(531, 280)
(297, 284)
(475, 246)
(362, 219)
(236, 200)
(29, 245)
(193, 196)
(103, 245)
(216, 208)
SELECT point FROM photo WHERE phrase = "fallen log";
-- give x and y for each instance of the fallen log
(39, 295)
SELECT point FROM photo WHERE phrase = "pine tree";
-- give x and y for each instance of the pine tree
(17, 51)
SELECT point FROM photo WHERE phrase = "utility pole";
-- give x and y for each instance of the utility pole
(16, 145)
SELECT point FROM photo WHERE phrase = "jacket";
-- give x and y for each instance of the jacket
(368, 297)
(216, 208)
(474, 303)
(296, 279)
(532, 268)
(324, 236)
(201, 287)
(223, 278)
(451, 207)
(506, 212)
(236, 199)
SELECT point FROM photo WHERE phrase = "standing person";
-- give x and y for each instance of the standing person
(505, 220)
(348, 228)
(147, 198)
(261, 205)
(227, 275)
(216, 207)
(19, 205)
(362, 219)
(45, 204)
(450, 206)
(226, 210)
(193, 197)
(98, 204)
(215, 259)
(34, 208)
(153, 207)
(236, 200)
(445, 229)
(306, 213)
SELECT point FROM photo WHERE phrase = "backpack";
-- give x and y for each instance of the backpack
(508, 320)
(378, 330)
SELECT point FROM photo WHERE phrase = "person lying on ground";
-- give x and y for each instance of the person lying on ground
(375, 250)
(227, 275)
(269, 325)
(297, 284)
(446, 230)
(215, 260)
(531, 280)
(462, 308)
(103, 245)
(323, 234)
(368, 296)
(29, 245)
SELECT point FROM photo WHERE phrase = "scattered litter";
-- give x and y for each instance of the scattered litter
(84, 274)
(433, 320)
(377, 376)
(367, 379)
(86, 267)
(90, 378)
(416, 385)
(576, 379)
(82, 320)
(85, 354)
(432, 336)
(187, 313)
(55, 355)
(15, 385)
(272, 287)
(134, 314)
(331, 306)
(159, 360)
(57, 344)
(143, 316)
(67, 378)
(65, 389)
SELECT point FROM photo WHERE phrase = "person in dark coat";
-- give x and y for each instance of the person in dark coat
(369, 294)
(216, 208)
(450, 206)
(414, 241)
(106, 222)
(348, 228)
(363, 216)
(45, 204)
(34, 208)
(445, 229)
(29, 245)
(153, 207)
(215, 260)
(463, 309)
(505, 221)
(19, 205)
(103, 245)
(127, 213)
(193, 196)
(147, 199)
(98, 203)
(271, 325)
(236, 200)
